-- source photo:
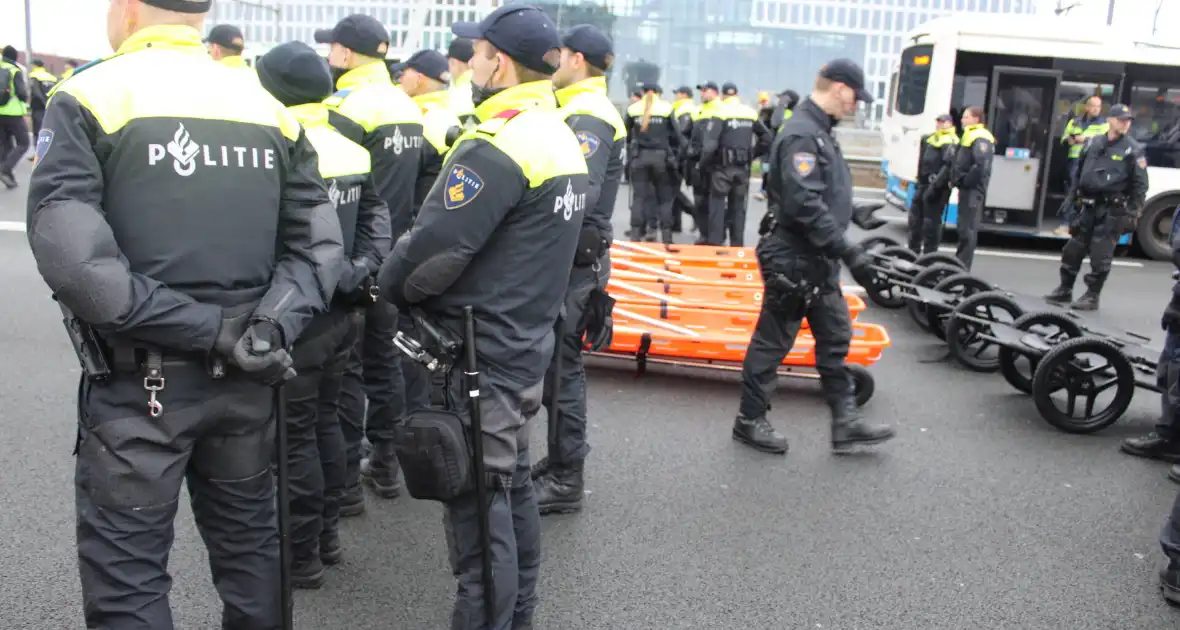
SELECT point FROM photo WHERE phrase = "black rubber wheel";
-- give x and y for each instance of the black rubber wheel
(874, 243)
(961, 286)
(887, 294)
(1050, 326)
(966, 338)
(863, 383)
(928, 277)
(1063, 368)
(1153, 235)
(937, 258)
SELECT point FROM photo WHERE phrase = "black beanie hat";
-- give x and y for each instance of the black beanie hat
(295, 74)
(10, 53)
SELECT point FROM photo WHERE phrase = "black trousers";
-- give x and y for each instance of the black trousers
(1169, 382)
(700, 202)
(37, 116)
(214, 434)
(14, 142)
(315, 442)
(1093, 231)
(729, 189)
(970, 216)
(654, 191)
(373, 374)
(926, 219)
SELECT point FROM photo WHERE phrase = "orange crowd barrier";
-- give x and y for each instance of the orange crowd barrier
(708, 296)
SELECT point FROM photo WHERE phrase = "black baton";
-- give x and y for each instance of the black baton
(481, 488)
(288, 608)
(554, 392)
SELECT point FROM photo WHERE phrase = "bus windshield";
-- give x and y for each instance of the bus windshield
(913, 78)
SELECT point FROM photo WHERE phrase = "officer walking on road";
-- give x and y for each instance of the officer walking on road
(586, 56)
(499, 233)
(14, 133)
(1107, 200)
(728, 148)
(971, 173)
(182, 301)
(933, 189)
(652, 143)
(41, 83)
(371, 111)
(226, 43)
(802, 244)
(298, 77)
(698, 178)
(1165, 444)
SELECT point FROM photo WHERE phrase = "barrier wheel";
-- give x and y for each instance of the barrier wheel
(886, 293)
(1050, 326)
(936, 258)
(874, 243)
(863, 383)
(968, 339)
(928, 277)
(1084, 368)
(958, 287)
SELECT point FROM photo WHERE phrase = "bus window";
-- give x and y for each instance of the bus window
(970, 90)
(1157, 122)
(913, 79)
(892, 94)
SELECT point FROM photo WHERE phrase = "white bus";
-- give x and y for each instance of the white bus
(1031, 76)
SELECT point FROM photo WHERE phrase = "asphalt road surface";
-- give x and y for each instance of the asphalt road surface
(979, 515)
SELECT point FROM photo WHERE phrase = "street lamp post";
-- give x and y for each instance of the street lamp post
(1110, 14)
(28, 34)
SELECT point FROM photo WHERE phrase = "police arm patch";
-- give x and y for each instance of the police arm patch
(1142, 162)
(804, 163)
(462, 186)
(44, 141)
(589, 142)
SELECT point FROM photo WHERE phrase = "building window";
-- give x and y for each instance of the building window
(842, 17)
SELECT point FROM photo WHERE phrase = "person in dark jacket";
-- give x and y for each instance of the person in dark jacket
(1166, 445)
(933, 188)
(14, 133)
(41, 83)
(971, 173)
(733, 138)
(653, 142)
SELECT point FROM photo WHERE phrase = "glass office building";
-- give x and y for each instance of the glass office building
(761, 45)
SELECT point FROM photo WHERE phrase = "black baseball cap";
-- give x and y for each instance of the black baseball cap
(847, 71)
(728, 89)
(651, 87)
(182, 6)
(460, 49)
(227, 36)
(709, 85)
(1121, 112)
(295, 74)
(594, 45)
(521, 31)
(684, 89)
(944, 118)
(429, 62)
(359, 33)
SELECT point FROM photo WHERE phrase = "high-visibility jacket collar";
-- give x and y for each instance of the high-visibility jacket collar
(532, 95)
(462, 79)
(941, 137)
(172, 37)
(569, 92)
(311, 114)
(729, 100)
(376, 72)
(438, 98)
(41, 74)
(235, 61)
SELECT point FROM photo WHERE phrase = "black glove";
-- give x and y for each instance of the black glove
(1171, 319)
(234, 322)
(260, 354)
(862, 216)
(861, 265)
(766, 225)
(597, 321)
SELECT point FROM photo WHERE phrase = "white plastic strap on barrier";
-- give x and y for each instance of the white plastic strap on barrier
(680, 330)
(663, 297)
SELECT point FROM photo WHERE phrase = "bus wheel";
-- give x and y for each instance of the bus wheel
(1154, 233)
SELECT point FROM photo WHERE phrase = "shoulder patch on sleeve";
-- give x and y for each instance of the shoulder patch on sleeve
(804, 163)
(44, 141)
(462, 186)
(1142, 162)
(589, 142)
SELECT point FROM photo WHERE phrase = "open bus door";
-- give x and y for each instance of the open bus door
(1021, 109)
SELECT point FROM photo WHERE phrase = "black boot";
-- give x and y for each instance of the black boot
(666, 236)
(352, 502)
(1089, 300)
(1170, 583)
(381, 471)
(757, 433)
(1063, 293)
(560, 489)
(849, 429)
(1152, 446)
(307, 570)
(331, 551)
(539, 469)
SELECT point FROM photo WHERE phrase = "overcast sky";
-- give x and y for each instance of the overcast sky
(77, 28)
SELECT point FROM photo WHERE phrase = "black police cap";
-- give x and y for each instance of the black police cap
(594, 45)
(684, 89)
(358, 33)
(295, 74)
(521, 31)
(182, 6)
(461, 49)
(429, 62)
(709, 85)
(944, 118)
(1121, 112)
(847, 71)
(651, 87)
(729, 89)
(227, 36)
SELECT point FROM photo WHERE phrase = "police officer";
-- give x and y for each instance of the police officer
(41, 83)
(1079, 130)
(459, 53)
(194, 296)
(1107, 201)
(652, 144)
(476, 243)
(370, 110)
(933, 189)
(787, 100)
(226, 43)
(697, 177)
(586, 56)
(424, 77)
(971, 173)
(799, 255)
(682, 110)
(727, 150)
(14, 133)
(298, 77)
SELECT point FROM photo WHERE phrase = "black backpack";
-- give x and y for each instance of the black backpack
(5, 84)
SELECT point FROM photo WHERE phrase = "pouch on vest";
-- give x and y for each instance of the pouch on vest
(591, 245)
(432, 447)
(5, 85)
